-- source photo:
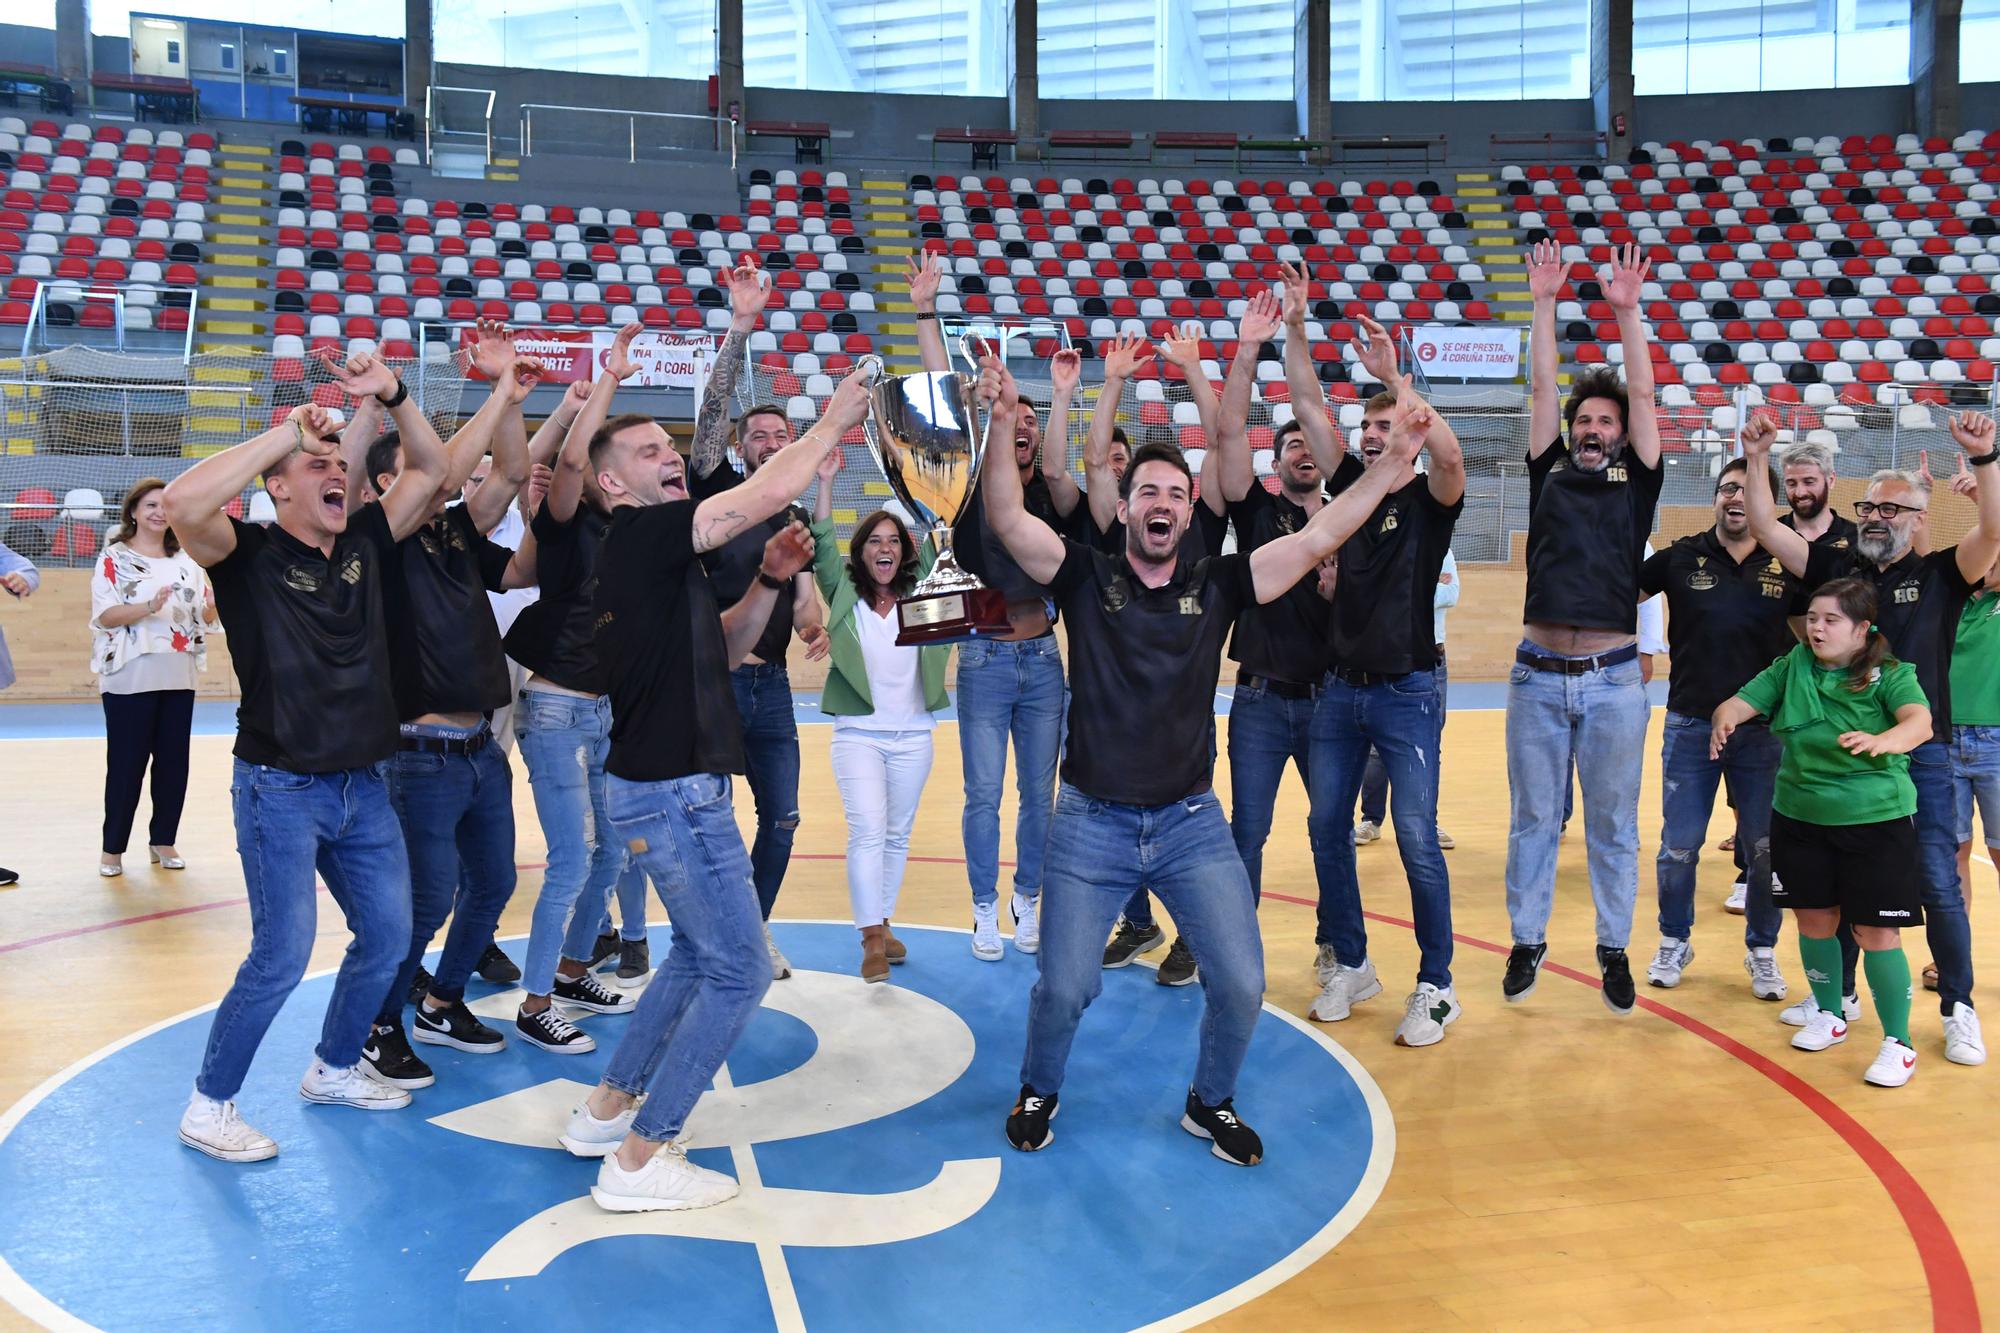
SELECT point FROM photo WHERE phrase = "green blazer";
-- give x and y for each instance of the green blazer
(846, 693)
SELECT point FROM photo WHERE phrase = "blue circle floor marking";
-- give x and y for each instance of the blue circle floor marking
(864, 1122)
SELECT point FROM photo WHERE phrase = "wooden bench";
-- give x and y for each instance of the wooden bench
(985, 144)
(1195, 142)
(1548, 143)
(338, 114)
(1295, 148)
(1392, 147)
(808, 136)
(38, 81)
(1088, 142)
(157, 98)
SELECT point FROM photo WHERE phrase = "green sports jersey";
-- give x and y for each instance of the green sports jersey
(1975, 663)
(1810, 709)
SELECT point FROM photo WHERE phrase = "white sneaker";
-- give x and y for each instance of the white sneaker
(1963, 1044)
(1894, 1065)
(1347, 987)
(1766, 981)
(1366, 831)
(350, 1087)
(214, 1127)
(1426, 1014)
(1325, 963)
(1737, 903)
(781, 967)
(1795, 1015)
(1027, 914)
(1669, 961)
(587, 1136)
(668, 1181)
(986, 946)
(1821, 1031)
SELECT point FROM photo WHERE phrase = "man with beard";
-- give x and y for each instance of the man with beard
(1727, 598)
(1808, 475)
(1919, 599)
(1575, 694)
(762, 683)
(1146, 631)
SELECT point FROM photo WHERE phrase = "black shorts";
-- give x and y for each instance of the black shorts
(1872, 872)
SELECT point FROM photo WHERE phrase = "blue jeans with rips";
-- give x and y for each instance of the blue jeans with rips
(564, 739)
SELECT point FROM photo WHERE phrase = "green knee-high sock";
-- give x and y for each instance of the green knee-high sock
(1889, 982)
(1822, 960)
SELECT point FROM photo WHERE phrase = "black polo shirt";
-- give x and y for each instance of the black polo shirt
(1384, 609)
(1727, 621)
(659, 638)
(732, 567)
(1286, 639)
(445, 645)
(552, 636)
(1142, 669)
(1918, 601)
(983, 555)
(1586, 539)
(309, 640)
(1839, 535)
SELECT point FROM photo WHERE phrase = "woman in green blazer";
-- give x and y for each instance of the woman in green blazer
(882, 699)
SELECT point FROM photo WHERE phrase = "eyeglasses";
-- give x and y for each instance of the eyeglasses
(1729, 491)
(1892, 512)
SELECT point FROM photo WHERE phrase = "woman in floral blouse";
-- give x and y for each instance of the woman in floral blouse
(150, 612)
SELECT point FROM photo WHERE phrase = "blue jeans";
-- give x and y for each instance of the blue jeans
(1006, 688)
(286, 825)
(771, 768)
(1401, 719)
(1749, 764)
(683, 834)
(630, 891)
(564, 740)
(1265, 730)
(1975, 780)
(1375, 778)
(1597, 721)
(457, 813)
(1945, 924)
(1098, 852)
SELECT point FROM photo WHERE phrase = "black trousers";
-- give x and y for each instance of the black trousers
(138, 729)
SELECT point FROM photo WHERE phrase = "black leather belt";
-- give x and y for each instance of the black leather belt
(1284, 689)
(472, 744)
(1577, 666)
(1359, 679)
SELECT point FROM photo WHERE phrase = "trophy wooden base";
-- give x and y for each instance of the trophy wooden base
(951, 617)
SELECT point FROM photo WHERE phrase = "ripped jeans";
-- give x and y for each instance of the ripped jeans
(1688, 777)
(564, 739)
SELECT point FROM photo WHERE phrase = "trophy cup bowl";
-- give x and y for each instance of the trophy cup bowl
(926, 437)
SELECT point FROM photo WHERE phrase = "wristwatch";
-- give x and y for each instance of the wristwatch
(395, 400)
(770, 581)
(1981, 460)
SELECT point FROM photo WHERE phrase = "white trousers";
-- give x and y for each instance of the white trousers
(880, 774)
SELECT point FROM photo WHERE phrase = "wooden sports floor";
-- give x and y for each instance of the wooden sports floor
(1555, 1166)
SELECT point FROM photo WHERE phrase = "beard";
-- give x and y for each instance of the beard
(1882, 547)
(1611, 452)
(1808, 507)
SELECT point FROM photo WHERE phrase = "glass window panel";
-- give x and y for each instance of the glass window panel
(1979, 41)
(1460, 50)
(664, 39)
(371, 18)
(1194, 50)
(951, 47)
(1726, 46)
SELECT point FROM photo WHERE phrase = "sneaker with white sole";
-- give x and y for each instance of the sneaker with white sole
(668, 1182)
(388, 1058)
(1347, 987)
(1766, 981)
(986, 945)
(1228, 1137)
(1325, 963)
(591, 995)
(1027, 913)
(1426, 1014)
(1446, 842)
(1798, 1015)
(349, 1087)
(553, 1033)
(1821, 1031)
(587, 1136)
(1895, 1064)
(781, 966)
(1963, 1043)
(1367, 831)
(455, 1026)
(214, 1127)
(1738, 901)
(1669, 962)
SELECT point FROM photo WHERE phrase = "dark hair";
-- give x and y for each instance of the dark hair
(1152, 453)
(761, 410)
(1742, 464)
(602, 440)
(1600, 383)
(128, 526)
(1118, 436)
(857, 570)
(381, 456)
(1856, 600)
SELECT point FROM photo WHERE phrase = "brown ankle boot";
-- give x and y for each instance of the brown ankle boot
(874, 960)
(892, 947)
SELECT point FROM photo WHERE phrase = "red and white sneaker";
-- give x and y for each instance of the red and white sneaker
(1894, 1065)
(1822, 1030)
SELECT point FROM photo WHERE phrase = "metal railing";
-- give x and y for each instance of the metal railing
(87, 290)
(719, 128)
(434, 128)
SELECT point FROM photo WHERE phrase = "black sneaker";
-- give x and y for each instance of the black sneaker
(390, 1060)
(1177, 968)
(496, 967)
(552, 1032)
(420, 986)
(455, 1026)
(1524, 969)
(1619, 993)
(1229, 1138)
(1028, 1123)
(635, 960)
(605, 950)
(1129, 941)
(587, 992)
(9, 876)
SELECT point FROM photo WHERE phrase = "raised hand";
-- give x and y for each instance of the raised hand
(1182, 347)
(1624, 277)
(1126, 354)
(1547, 271)
(848, 407)
(1965, 481)
(1260, 321)
(519, 377)
(829, 466)
(364, 376)
(313, 423)
(1974, 433)
(1378, 354)
(618, 362)
(492, 347)
(996, 385)
(539, 477)
(1298, 292)
(1757, 434)
(1066, 371)
(924, 274)
(747, 295)
(572, 403)
(789, 551)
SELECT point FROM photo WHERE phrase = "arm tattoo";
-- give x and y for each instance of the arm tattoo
(710, 430)
(717, 531)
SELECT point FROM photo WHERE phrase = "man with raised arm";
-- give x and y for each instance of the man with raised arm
(302, 601)
(763, 685)
(1138, 803)
(1576, 693)
(1919, 599)
(666, 649)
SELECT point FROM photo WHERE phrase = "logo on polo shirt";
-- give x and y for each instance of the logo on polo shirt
(301, 579)
(350, 569)
(1703, 578)
(1907, 594)
(1389, 522)
(1616, 472)
(1190, 606)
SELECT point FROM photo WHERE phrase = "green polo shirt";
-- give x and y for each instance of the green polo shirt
(1975, 663)
(1810, 709)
